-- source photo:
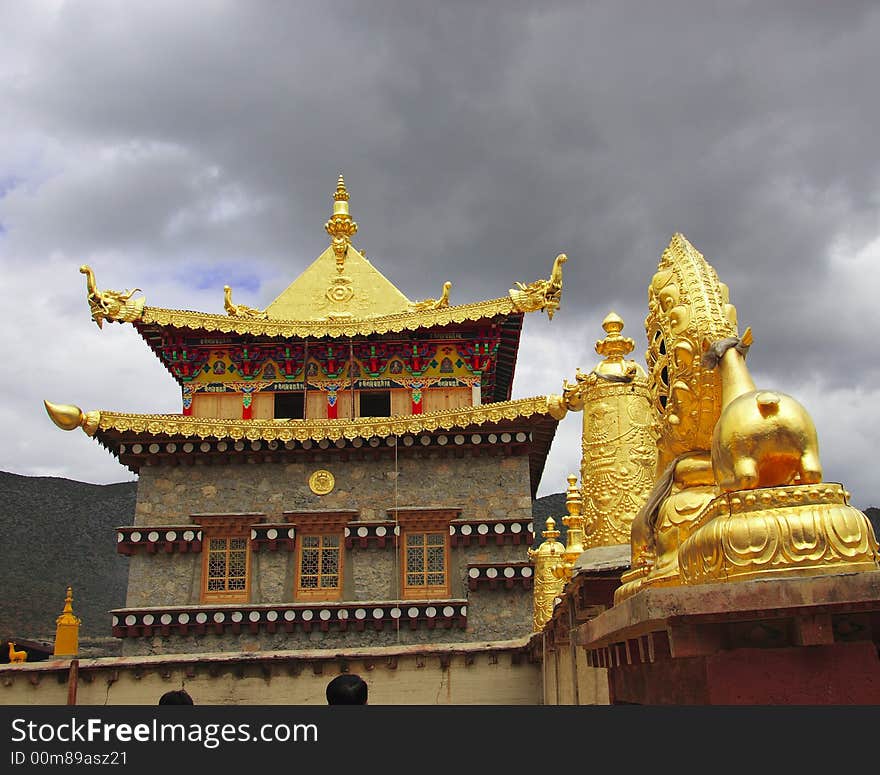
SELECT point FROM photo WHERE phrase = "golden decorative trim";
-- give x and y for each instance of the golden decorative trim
(316, 430)
(404, 321)
(322, 482)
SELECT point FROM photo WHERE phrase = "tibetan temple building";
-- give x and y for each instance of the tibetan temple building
(347, 467)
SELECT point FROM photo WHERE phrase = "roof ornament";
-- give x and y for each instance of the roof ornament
(69, 417)
(340, 227)
(541, 294)
(240, 310)
(426, 304)
(117, 306)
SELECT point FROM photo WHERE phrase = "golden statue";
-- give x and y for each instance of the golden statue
(541, 294)
(548, 586)
(340, 227)
(117, 306)
(443, 301)
(618, 451)
(240, 310)
(16, 656)
(738, 492)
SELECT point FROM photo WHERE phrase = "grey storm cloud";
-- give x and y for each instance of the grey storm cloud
(171, 143)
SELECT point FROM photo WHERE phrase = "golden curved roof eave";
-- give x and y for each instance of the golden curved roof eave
(405, 321)
(315, 430)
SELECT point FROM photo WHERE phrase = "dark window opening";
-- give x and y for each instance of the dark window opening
(290, 406)
(376, 404)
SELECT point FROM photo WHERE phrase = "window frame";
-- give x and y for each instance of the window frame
(429, 522)
(319, 592)
(385, 392)
(423, 591)
(226, 527)
(324, 523)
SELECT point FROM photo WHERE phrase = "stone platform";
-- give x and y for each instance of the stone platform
(803, 641)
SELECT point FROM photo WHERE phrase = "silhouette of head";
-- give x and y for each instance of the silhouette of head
(178, 697)
(347, 689)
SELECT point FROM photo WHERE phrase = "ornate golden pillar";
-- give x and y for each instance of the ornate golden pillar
(548, 585)
(618, 449)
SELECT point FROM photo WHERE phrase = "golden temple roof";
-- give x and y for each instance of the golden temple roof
(322, 293)
(339, 294)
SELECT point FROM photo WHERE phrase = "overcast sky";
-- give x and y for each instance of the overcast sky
(177, 146)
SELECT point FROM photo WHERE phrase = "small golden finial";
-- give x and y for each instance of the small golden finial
(574, 536)
(551, 532)
(573, 500)
(341, 194)
(67, 629)
(340, 227)
(614, 345)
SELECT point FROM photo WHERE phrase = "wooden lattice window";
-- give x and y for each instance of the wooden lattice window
(425, 571)
(226, 556)
(424, 551)
(226, 567)
(319, 566)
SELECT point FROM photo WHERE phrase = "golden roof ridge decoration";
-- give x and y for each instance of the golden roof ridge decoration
(115, 306)
(543, 295)
(402, 321)
(426, 304)
(240, 310)
(67, 417)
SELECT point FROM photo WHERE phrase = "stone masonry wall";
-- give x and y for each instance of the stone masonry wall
(482, 487)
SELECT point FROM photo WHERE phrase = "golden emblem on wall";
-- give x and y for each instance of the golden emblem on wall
(321, 482)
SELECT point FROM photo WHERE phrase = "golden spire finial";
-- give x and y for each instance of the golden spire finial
(551, 531)
(573, 500)
(574, 536)
(67, 629)
(614, 345)
(340, 227)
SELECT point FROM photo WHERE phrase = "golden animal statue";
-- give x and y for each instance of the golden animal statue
(116, 306)
(541, 295)
(426, 304)
(763, 438)
(16, 656)
(738, 493)
(240, 310)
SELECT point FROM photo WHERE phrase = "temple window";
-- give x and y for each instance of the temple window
(290, 405)
(424, 552)
(226, 557)
(319, 566)
(319, 569)
(425, 572)
(375, 403)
